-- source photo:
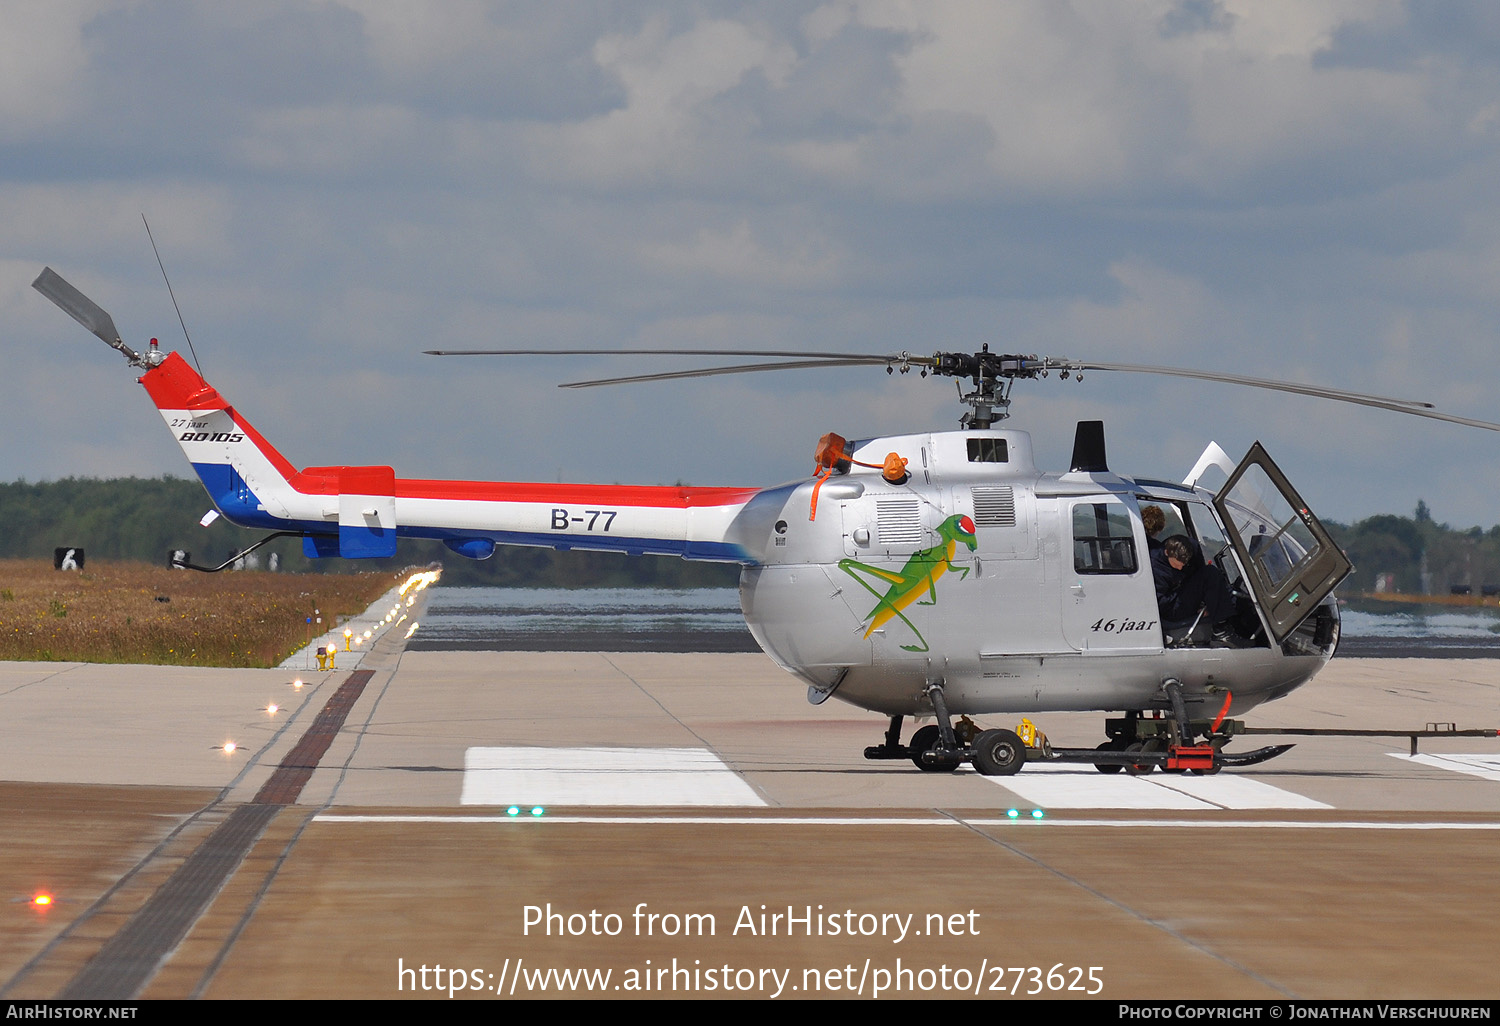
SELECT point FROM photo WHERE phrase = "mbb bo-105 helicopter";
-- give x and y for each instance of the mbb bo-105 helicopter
(935, 573)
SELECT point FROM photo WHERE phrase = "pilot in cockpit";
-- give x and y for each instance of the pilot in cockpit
(1190, 590)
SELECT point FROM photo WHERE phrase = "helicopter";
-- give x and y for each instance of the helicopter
(937, 574)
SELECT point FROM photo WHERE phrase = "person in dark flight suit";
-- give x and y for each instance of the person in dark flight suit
(1185, 584)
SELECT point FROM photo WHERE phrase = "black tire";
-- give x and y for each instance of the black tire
(1108, 767)
(1215, 767)
(1140, 769)
(999, 753)
(923, 740)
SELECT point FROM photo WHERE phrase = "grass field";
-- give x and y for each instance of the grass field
(137, 613)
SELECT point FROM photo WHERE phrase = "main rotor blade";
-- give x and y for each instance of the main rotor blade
(656, 352)
(1238, 379)
(76, 305)
(1415, 407)
(749, 368)
(1025, 367)
(1395, 407)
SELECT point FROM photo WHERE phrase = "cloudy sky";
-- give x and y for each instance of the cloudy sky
(1298, 189)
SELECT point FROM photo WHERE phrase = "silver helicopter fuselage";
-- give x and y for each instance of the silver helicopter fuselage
(1028, 619)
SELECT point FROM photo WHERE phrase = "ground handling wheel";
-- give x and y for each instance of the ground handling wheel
(1145, 766)
(1109, 767)
(924, 739)
(999, 753)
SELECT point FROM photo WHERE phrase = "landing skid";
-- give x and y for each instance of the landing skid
(1136, 745)
(1198, 758)
(1194, 758)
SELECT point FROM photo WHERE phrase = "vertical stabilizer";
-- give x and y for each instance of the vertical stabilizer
(247, 479)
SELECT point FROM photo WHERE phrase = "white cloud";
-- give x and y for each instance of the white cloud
(807, 262)
(1158, 315)
(1093, 99)
(105, 217)
(330, 140)
(670, 81)
(42, 60)
(1300, 28)
(413, 38)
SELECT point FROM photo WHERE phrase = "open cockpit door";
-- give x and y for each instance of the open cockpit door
(1291, 563)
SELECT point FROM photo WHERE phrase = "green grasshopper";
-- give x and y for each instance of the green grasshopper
(919, 575)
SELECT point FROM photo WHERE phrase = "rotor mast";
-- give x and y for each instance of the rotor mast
(993, 375)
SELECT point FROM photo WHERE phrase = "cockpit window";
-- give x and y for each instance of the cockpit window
(1210, 537)
(1103, 539)
(1192, 518)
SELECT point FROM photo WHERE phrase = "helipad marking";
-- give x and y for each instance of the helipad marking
(1486, 766)
(602, 776)
(1083, 787)
(1231, 791)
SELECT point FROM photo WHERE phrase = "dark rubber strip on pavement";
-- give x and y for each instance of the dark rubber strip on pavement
(129, 959)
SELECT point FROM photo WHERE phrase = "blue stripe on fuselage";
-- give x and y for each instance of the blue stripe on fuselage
(713, 552)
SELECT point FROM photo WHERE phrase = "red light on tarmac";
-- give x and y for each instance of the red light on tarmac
(42, 900)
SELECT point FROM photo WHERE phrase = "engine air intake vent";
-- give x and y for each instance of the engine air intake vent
(900, 521)
(994, 506)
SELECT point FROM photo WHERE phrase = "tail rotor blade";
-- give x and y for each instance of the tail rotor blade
(86, 312)
(76, 305)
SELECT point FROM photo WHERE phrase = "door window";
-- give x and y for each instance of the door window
(1103, 539)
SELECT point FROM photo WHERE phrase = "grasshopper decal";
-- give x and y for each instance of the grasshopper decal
(919, 575)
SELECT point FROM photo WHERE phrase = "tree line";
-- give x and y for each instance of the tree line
(1417, 555)
(144, 519)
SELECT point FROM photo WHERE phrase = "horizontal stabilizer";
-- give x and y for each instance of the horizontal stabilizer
(367, 512)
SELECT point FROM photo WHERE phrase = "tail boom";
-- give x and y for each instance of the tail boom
(360, 511)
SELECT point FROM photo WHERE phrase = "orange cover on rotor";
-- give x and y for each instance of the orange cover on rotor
(830, 450)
